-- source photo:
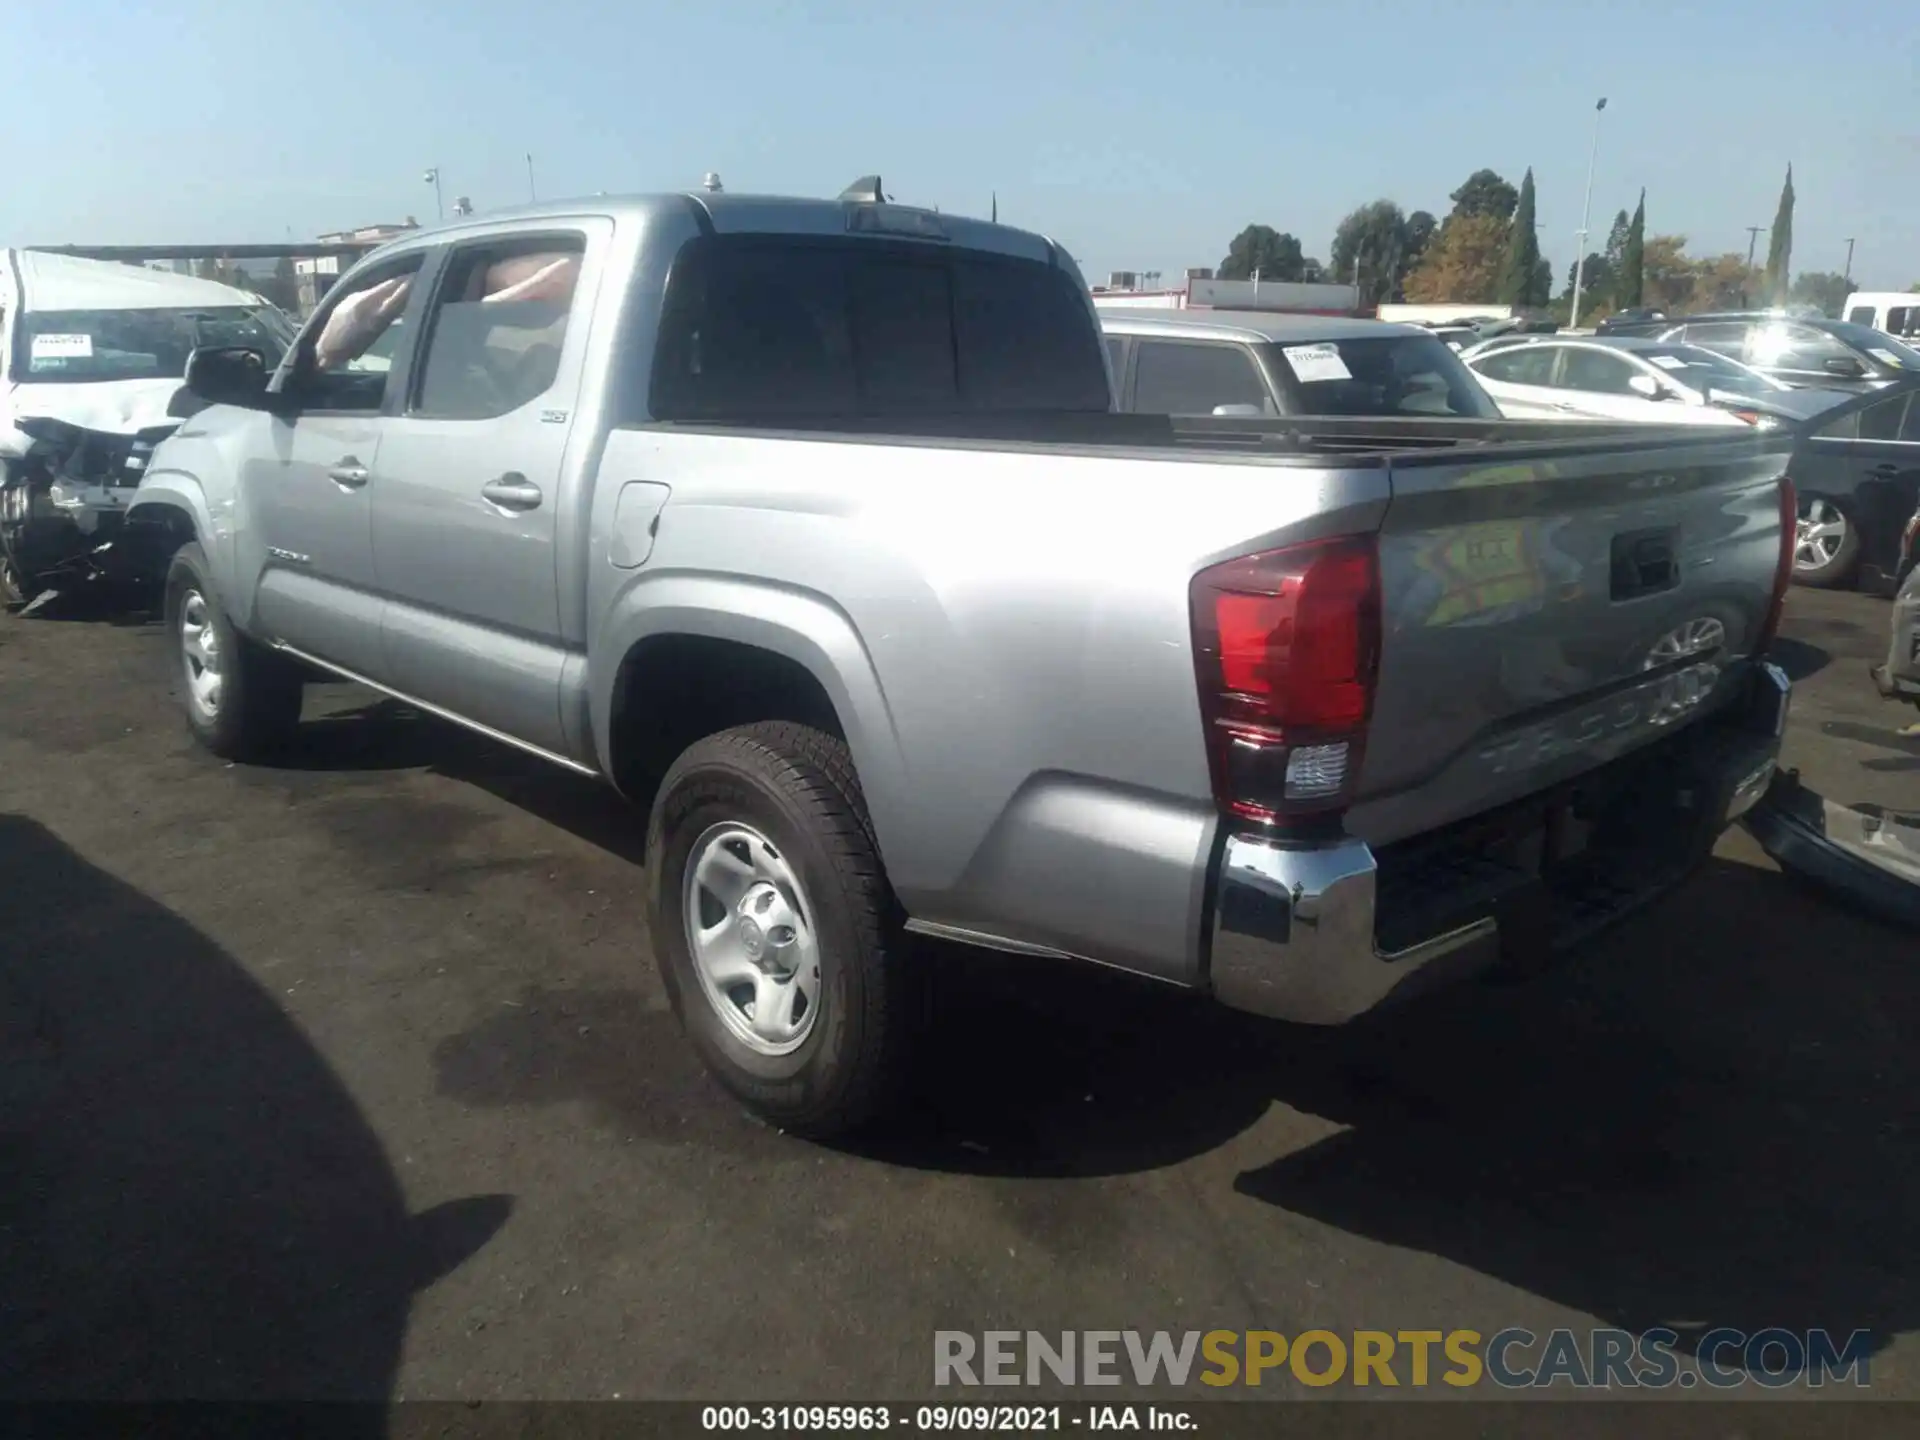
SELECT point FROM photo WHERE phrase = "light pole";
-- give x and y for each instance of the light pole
(1753, 238)
(432, 177)
(1848, 276)
(532, 194)
(1586, 208)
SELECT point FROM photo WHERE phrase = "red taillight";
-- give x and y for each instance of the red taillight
(1783, 569)
(1287, 647)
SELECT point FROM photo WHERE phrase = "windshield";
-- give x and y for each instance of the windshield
(1379, 375)
(1697, 369)
(82, 346)
(1877, 343)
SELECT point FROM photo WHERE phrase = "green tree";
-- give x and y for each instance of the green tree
(1523, 250)
(1484, 193)
(1275, 254)
(1780, 245)
(1463, 264)
(1823, 289)
(1420, 231)
(1617, 240)
(1631, 287)
(1370, 249)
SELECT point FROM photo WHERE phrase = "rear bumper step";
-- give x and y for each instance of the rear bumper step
(1322, 934)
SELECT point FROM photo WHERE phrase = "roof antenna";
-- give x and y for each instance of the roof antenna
(865, 190)
(710, 182)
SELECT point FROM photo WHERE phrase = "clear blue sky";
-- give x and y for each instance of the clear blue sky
(1140, 134)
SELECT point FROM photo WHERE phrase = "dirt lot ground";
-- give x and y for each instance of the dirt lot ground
(353, 1077)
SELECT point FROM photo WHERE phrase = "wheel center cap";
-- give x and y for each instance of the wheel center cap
(752, 938)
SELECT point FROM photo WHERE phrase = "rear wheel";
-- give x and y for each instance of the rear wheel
(1826, 544)
(241, 699)
(776, 933)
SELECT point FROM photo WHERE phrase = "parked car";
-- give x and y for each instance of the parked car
(90, 377)
(1827, 354)
(1628, 378)
(1634, 320)
(1250, 363)
(1857, 473)
(808, 526)
(1896, 312)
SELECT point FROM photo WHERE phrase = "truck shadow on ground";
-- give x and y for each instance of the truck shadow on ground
(1707, 1118)
(1799, 659)
(193, 1206)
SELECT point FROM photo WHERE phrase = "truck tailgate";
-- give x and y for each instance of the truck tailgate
(1546, 612)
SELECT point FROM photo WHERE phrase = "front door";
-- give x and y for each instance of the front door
(311, 489)
(1859, 481)
(474, 483)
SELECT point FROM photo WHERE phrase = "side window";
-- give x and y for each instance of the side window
(1175, 377)
(1795, 347)
(354, 338)
(1882, 421)
(1117, 356)
(1860, 315)
(499, 321)
(1595, 371)
(1910, 427)
(1725, 337)
(1527, 365)
(1902, 320)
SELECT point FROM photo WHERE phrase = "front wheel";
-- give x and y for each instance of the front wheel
(1826, 544)
(241, 699)
(777, 936)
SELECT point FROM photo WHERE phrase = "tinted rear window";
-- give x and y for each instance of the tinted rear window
(765, 328)
(1379, 375)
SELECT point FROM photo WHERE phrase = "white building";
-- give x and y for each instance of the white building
(1131, 289)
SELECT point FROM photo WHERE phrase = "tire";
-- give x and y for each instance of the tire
(794, 788)
(1838, 567)
(254, 703)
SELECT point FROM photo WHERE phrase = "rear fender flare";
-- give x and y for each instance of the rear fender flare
(801, 626)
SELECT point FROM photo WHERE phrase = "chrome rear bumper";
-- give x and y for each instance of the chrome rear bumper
(1293, 933)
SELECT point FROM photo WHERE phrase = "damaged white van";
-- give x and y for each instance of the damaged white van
(92, 354)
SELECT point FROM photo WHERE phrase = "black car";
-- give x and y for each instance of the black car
(1634, 320)
(1820, 353)
(1857, 473)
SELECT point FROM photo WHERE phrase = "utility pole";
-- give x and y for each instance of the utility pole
(532, 194)
(1848, 276)
(432, 177)
(1753, 238)
(1586, 208)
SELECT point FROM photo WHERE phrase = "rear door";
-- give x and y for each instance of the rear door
(1520, 380)
(1600, 383)
(465, 518)
(1860, 472)
(1548, 608)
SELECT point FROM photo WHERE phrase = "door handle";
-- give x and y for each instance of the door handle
(1886, 469)
(512, 491)
(350, 474)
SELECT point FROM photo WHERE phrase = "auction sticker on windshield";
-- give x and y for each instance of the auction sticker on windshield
(1316, 362)
(1668, 362)
(63, 347)
(1885, 357)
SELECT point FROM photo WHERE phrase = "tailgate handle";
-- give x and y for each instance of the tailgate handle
(1645, 562)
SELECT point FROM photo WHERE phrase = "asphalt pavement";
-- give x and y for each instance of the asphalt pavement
(352, 1077)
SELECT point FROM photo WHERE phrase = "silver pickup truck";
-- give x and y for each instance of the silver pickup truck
(809, 525)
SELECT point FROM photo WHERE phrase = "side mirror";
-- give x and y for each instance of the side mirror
(1647, 386)
(1240, 412)
(228, 375)
(1845, 365)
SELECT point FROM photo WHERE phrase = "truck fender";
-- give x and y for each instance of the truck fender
(177, 490)
(801, 626)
